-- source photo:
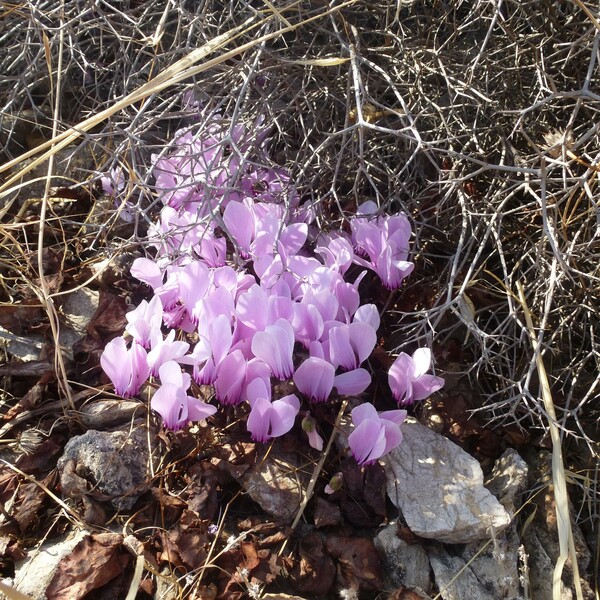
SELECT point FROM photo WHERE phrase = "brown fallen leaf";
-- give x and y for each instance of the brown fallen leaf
(29, 502)
(362, 500)
(326, 513)
(358, 560)
(95, 561)
(314, 572)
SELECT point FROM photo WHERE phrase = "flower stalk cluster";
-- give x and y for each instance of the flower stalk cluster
(252, 294)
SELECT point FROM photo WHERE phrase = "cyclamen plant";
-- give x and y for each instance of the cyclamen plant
(238, 267)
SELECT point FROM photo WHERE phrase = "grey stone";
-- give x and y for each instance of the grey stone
(274, 483)
(439, 489)
(116, 463)
(508, 480)
(479, 571)
(404, 565)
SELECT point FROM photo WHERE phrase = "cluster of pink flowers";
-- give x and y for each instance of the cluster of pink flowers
(257, 295)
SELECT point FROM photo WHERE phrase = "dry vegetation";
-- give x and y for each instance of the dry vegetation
(479, 119)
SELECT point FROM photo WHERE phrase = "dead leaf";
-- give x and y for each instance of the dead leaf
(362, 501)
(314, 572)
(358, 560)
(43, 458)
(326, 513)
(95, 561)
(187, 543)
(29, 502)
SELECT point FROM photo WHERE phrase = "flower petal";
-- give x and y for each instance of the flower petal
(314, 378)
(352, 383)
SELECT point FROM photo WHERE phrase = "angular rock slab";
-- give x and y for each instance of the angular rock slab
(482, 570)
(404, 565)
(439, 489)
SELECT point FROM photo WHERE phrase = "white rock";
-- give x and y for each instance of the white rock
(34, 574)
(439, 489)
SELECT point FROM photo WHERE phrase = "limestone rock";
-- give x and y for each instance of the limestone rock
(34, 574)
(439, 489)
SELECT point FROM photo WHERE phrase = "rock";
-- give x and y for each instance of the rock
(34, 574)
(508, 480)
(439, 489)
(274, 483)
(404, 565)
(77, 309)
(485, 570)
(114, 463)
(25, 348)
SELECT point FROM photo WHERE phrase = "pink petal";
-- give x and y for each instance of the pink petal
(422, 361)
(395, 416)
(115, 363)
(352, 383)
(198, 410)
(400, 378)
(167, 404)
(230, 379)
(258, 388)
(250, 308)
(258, 420)
(363, 339)
(367, 313)
(275, 346)
(426, 385)
(239, 220)
(365, 411)
(367, 441)
(148, 271)
(307, 323)
(293, 237)
(314, 378)
(341, 352)
(283, 414)
(220, 337)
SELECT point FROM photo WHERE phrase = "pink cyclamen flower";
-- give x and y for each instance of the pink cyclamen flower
(375, 434)
(314, 378)
(269, 419)
(165, 350)
(409, 380)
(275, 346)
(350, 345)
(127, 369)
(171, 401)
(230, 378)
(145, 320)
